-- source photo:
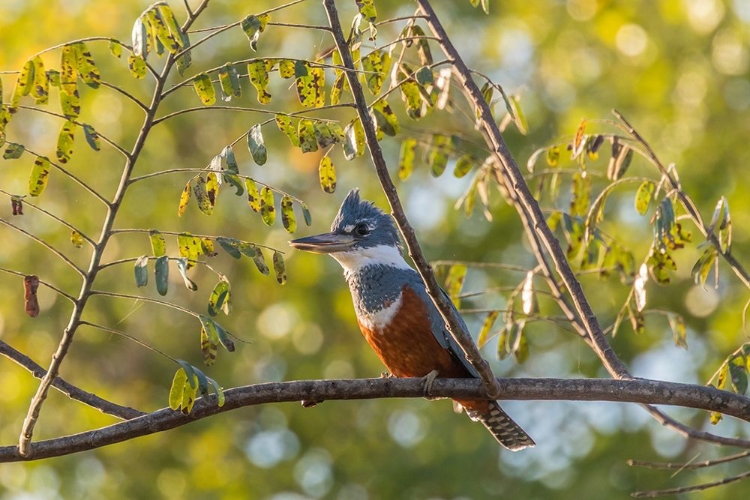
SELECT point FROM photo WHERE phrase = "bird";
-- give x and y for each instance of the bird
(394, 312)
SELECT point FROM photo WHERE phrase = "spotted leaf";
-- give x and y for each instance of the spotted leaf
(267, 209)
(327, 174)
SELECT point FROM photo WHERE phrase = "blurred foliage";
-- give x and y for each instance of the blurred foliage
(678, 70)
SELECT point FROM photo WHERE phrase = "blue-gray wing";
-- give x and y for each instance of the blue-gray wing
(439, 329)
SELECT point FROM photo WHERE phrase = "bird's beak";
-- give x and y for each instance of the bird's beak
(324, 243)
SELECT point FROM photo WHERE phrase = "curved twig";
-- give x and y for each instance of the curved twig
(46, 245)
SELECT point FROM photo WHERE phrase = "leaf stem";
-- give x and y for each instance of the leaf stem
(46, 245)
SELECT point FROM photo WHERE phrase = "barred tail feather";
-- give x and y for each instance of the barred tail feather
(507, 432)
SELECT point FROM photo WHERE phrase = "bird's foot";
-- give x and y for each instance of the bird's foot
(428, 381)
(387, 375)
(309, 403)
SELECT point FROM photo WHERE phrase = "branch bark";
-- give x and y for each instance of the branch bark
(635, 391)
(528, 207)
(442, 303)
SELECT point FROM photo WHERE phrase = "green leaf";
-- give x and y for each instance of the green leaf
(253, 26)
(230, 246)
(738, 374)
(208, 348)
(406, 158)
(174, 27)
(228, 154)
(161, 274)
(285, 125)
(455, 281)
(286, 68)
(141, 271)
(677, 324)
(158, 243)
(722, 220)
(253, 196)
(182, 266)
(229, 81)
(39, 175)
(306, 213)
(220, 398)
(40, 83)
(219, 296)
(581, 195)
(115, 48)
(267, 209)
(376, 65)
(311, 88)
(278, 268)
(70, 104)
(258, 72)
(184, 198)
(178, 387)
(411, 96)
(256, 254)
(190, 248)
(643, 197)
(287, 214)
(327, 173)
(65, 141)
(424, 76)
(140, 38)
(24, 84)
(87, 69)
(385, 118)
(521, 345)
(256, 145)
(205, 89)
(13, 151)
(484, 333)
(338, 88)
(463, 166)
(68, 70)
(92, 138)
(308, 142)
(161, 32)
(76, 238)
(437, 156)
(354, 144)
(324, 134)
(367, 9)
(423, 45)
(503, 348)
(703, 266)
(137, 66)
(301, 68)
(200, 189)
(519, 118)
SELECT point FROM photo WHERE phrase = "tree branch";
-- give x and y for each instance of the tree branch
(637, 390)
(443, 304)
(69, 389)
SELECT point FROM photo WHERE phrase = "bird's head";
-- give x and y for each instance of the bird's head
(361, 234)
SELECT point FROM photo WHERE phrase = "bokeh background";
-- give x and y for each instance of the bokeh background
(677, 69)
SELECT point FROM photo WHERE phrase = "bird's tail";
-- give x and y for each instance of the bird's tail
(507, 432)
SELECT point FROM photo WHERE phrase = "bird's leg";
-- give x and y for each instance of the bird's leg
(387, 375)
(428, 380)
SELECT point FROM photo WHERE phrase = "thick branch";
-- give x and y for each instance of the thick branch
(67, 388)
(442, 302)
(638, 391)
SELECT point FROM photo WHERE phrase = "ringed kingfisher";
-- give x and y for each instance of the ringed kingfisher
(396, 315)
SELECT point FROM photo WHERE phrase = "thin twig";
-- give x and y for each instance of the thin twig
(691, 465)
(80, 124)
(41, 282)
(177, 233)
(46, 245)
(69, 389)
(125, 93)
(143, 299)
(53, 216)
(127, 336)
(687, 489)
(252, 110)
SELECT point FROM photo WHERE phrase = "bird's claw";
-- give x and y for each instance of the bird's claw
(428, 381)
(387, 375)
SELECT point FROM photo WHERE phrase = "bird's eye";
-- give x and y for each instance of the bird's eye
(362, 230)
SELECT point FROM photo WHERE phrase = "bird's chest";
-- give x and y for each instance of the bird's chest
(400, 333)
